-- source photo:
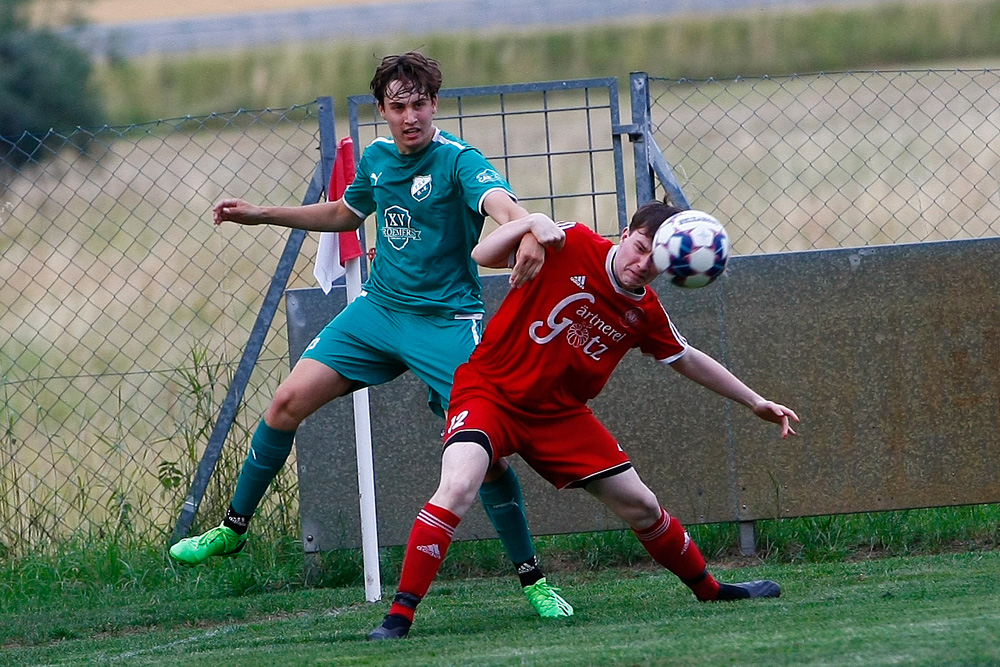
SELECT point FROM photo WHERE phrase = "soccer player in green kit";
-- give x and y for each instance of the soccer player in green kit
(420, 309)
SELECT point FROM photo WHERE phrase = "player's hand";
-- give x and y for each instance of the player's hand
(547, 232)
(528, 261)
(777, 414)
(236, 210)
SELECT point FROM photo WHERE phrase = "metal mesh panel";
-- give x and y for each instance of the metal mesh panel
(836, 160)
(553, 141)
(125, 312)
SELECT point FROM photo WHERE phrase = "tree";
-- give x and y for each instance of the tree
(43, 87)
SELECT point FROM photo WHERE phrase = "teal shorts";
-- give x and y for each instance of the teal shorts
(369, 344)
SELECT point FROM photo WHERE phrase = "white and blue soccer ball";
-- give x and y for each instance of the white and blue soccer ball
(691, 248)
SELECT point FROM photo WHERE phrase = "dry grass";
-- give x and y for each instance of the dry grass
(114, 276)
(837, 160)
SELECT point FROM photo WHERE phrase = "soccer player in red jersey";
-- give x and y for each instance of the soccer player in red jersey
(550, 348)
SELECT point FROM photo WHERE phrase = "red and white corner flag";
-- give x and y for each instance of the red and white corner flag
(337, 248)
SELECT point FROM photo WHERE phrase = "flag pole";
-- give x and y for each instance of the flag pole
(349, 254)
(366, 465)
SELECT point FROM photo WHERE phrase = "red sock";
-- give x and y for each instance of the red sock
(670, 546)
(429, 540)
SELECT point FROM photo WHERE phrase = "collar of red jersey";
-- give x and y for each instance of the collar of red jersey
(624, 291)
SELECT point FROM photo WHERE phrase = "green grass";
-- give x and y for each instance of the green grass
(918, 610)
(87, 569)
(892, 580)
(723, 46)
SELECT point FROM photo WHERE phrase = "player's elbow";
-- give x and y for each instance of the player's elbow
(484, 256)
(478, 255)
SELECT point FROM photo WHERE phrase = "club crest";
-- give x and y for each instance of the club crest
(420, 189)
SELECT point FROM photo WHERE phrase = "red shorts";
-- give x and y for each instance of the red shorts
(567, 450)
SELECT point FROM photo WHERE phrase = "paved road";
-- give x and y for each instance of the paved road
(417, 17)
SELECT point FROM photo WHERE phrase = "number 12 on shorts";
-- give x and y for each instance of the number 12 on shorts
(458, 421)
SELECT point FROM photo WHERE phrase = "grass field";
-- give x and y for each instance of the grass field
(926, 610)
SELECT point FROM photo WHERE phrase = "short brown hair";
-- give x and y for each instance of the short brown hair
(648, 217)
(417, 72)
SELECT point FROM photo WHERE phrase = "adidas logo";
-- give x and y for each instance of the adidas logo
(687, 542)
(431, 550)
(525, 568)
(579, 281)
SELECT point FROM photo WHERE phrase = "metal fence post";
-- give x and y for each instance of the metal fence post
(650, 164)
(645, 189)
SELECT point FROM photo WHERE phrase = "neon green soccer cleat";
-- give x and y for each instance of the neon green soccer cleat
(546, 601)
(220, 541)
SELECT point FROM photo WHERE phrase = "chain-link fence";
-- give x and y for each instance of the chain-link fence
(836, 160)
(125, 311)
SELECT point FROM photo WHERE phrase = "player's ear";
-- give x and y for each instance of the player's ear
(624, 234)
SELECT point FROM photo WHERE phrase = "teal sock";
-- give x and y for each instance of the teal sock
(269, 449)
(504, 506)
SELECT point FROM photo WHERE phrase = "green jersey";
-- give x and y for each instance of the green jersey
(428, 216)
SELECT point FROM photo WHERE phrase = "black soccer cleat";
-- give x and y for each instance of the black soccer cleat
(393, 626)
(748, 590)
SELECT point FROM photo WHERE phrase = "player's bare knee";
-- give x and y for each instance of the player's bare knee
(456, 494)
(642, 511)
(281, 414)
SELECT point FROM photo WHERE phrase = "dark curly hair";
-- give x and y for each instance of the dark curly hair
(418, 74)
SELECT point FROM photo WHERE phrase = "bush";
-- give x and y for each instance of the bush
(44, 86)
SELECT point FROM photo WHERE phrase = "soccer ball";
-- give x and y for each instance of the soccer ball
(691, 248)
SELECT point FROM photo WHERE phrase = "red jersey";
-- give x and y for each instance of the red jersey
(553, 343)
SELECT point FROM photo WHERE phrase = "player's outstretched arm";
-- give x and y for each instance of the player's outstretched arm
(706, 371)
(334, 216)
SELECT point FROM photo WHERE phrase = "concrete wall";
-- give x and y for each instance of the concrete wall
(890, 354)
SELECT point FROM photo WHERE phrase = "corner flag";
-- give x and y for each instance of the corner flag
(337, 248)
